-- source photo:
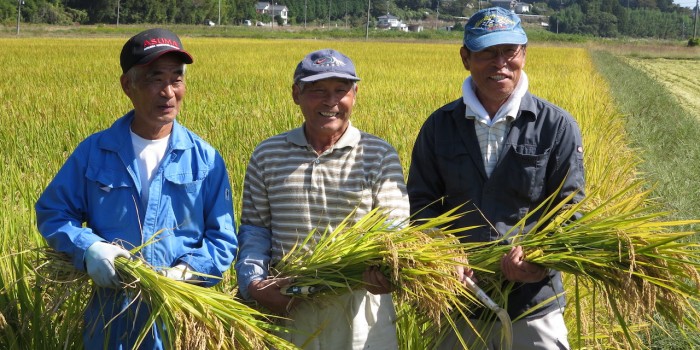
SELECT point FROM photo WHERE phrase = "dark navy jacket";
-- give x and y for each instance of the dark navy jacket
(542, 150)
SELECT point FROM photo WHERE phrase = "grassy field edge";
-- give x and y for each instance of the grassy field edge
(663, 133)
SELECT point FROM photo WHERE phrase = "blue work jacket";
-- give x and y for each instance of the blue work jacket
(95, 196)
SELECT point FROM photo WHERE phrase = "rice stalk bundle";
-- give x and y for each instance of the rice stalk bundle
(39, 313)
(621, 246)
(191, 317)
(420, 261)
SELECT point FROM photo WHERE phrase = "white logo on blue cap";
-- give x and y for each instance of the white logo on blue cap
(328, 61)
(495, 22)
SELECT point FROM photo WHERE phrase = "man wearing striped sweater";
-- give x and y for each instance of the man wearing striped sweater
(312, 178)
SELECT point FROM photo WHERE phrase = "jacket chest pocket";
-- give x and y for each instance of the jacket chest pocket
(526, 167)
(108, 182)
(110, 198)
(188, 183)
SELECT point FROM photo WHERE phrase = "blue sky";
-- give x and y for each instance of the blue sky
(685, 3)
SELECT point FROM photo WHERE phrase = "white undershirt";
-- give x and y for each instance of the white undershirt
(149, 154)
(492, 132)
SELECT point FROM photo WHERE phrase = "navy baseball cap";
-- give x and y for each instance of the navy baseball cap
(325, 64)
(147, 46)
(493, 26)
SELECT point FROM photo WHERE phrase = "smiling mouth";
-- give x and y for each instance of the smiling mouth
(329, 114)
(498, 77)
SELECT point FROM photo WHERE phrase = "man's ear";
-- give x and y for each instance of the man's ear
(354, 96)
(126, 84)
(296, 90)
(464, 53)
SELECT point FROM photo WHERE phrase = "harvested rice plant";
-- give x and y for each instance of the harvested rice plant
(679, 76)
(56, 92)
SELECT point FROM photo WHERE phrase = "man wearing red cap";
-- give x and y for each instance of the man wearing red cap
(146, 180)
(500, 152)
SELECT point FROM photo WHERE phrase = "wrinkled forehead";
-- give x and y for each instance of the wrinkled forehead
(331, 81)
(166, 63)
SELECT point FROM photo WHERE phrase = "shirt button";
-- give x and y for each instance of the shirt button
(317, 161)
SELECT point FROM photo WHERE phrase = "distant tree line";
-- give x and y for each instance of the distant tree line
(635, 18)
(606, 18)
(128, 11)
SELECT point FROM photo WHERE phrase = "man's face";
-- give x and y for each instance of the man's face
(326, 105)
(156, 92)
(495, 71)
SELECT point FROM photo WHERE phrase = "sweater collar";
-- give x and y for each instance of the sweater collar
(350, 138)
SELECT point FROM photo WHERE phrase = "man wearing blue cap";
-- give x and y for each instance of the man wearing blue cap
(148, 182)
(500, 152)
(311, 179)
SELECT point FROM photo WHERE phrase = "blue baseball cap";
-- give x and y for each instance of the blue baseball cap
(325, 64)
(493, 26)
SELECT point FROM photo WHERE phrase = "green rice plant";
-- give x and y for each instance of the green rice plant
(31, 315)
(420, 261)
(38, 313)
(191, 317)
(620, 249)
(414, 330)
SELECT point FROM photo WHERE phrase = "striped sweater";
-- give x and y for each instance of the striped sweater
(290, 190)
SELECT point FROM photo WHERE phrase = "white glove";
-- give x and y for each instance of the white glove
(179, 272)
(99, 261)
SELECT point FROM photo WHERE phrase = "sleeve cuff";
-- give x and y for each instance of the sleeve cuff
(246, 274)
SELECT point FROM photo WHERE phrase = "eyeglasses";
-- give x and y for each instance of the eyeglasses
(508, 52)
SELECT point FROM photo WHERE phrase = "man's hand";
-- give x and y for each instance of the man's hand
(268, 294)
(375, 281)
(515, 269)
(464, 273)
(180, 272)
(99, 261)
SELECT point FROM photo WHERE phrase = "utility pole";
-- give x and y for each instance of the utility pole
(695, 24)
(305, 5)
(272, 15)
(437, 14)
(329, 14)
(19, 13)
(369, 2)
(219, 21)
(118, 6)
(561, 4)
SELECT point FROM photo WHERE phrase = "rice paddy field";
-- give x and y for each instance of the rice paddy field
(57, 91)
(679, 76)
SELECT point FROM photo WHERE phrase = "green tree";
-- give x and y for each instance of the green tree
(51, 14)
(7, 11)
(570, 20)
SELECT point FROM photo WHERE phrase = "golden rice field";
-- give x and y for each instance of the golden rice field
(239, 92)
(55, 92)
(679, 76)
